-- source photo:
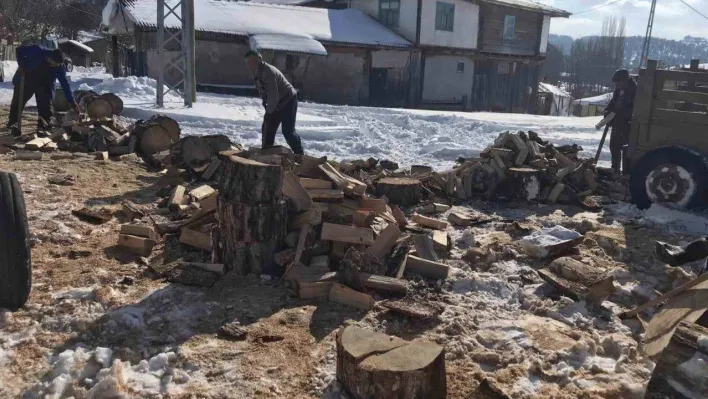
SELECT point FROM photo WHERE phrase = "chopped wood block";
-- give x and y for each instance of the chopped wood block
(504, 155)
(460, 189)
(564, 161)
(441, 241)
(399, 216)
(28, 156)
(450, 184)
(341, 210)
(96, 216)
(555, 193)
(49, 147)
(375, 365)
(101, 156)
(427, 268)
(209, 203)
(323, 194)
(563, 173)
(177, 198)
(498, 168)
(202, 192)
(138, 245)
(521, 156)
(140, 230)
(396, 265)
(534, 150)
(425, 247)
(517, 141)
(131, 211)
(119, 150)
(578, 280)
(385, 242)
(315, 183)
(434, 208)
(37, 143)
(301, 242)
(347, 296)
(459, 219)
(374, 204)
(314, 290)
(293, 189)
(356, 262)
(348, 234)
(363, 218)
(217, 268)
(311, 216)
(211, 169)
(429, 222)
(196, 239)
(383, 284)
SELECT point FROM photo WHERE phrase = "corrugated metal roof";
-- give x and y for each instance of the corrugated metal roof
(347, 26)
(531, 6)
(290, 43)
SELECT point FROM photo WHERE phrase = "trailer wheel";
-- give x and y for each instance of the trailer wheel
(15, 260)
(677, 176)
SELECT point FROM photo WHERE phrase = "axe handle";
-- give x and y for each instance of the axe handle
(21, 103)
(602, 143)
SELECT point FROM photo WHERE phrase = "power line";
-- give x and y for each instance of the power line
(597, 8)
(692, 8)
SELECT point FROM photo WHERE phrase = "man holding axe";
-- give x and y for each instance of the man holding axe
(37, 73)
(618, 116)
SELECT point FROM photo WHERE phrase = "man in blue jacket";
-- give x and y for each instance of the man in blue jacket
(40, 69)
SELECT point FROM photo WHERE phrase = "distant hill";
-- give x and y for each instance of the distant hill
(670, 52)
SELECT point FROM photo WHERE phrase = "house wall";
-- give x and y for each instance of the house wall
(527, 32)
(443, 84)
(407, 19)
(465, 27)
(544, 34)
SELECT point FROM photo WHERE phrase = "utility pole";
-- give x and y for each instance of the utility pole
(177, 39)
(647, 37)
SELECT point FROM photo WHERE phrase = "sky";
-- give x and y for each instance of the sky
(673, 19)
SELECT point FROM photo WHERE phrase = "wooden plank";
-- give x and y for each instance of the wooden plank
(399, 216)
(656, 301)
(27, 156)
(348, 234)
(377, 205)
(139, 230)
(202, 192)
(340, 209)
(314, 290)
(682, 76)
(383, 284)
(441, 241)
(429, 222)
(196, 239)
(325, 194)
(385, 241)
(459, 219)
(301, 242)
(177, 198)
(363, 218)
(211, 169)
(680, 117)
(209, 203)
(293, 189)
(347, 296)
(138, 245)
(315, 183)
(37, 143)
(434, 208)
(427, 268)
(424, 247)
(686, 96)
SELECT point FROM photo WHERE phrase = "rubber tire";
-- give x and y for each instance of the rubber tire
(694, 162)
(15, 255)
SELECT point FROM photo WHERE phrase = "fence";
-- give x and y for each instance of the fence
(7, 50)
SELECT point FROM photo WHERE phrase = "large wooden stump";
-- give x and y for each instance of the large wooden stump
(681, 369)
(375, 365)
(251, 182)
(254, 223)
(402, 191)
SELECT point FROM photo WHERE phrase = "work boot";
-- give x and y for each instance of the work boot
(677, 256)
(16, 132)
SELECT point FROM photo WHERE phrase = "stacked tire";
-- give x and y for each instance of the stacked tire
(15, 259)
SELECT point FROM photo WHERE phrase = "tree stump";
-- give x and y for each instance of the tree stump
(245, 258)
(254, 223)
(678, 373)
(375, 365)
(402, 191)
(251, 182)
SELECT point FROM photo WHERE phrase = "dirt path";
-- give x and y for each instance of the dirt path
(97, 320)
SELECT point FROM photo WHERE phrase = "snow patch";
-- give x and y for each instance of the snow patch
(663, 217)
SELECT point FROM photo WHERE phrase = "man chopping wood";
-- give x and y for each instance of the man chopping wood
(37, 73)
(622, 104)
(279, 99)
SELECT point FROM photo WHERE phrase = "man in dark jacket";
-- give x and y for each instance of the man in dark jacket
(279, 99)
(622, 104)
(40, 68)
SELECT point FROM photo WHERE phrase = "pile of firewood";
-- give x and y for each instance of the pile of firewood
(99, 133)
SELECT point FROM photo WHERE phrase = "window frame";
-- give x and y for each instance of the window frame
(390, 16)
(460, 70)
(509, 24)
(443, 21)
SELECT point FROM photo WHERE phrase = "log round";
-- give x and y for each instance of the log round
(375, 365)
(402, 191)
(96, 106)
(169, 124)
(115, 101)
(152, 138)
(250, 182)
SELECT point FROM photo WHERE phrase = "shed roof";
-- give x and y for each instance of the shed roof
(531, 6)
(347, 26)
(77, 44)
(551, 89)
(601, 100)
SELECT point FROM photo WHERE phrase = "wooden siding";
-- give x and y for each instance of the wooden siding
(527, 33)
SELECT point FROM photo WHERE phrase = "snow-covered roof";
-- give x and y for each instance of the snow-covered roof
(601, 100)
(531, 6)
(554, 90)
(284, 2)
(348, 26)
(277, 42)
(77, 44)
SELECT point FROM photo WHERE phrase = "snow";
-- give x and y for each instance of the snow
(549, 88)
(536, 243)
(289, 43)
(246, 19)
(601, 100)
(77, 44)
(663, 217)
(9, 68)
(531, 5)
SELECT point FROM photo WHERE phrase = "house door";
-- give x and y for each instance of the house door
(378, 83)
(479, 92)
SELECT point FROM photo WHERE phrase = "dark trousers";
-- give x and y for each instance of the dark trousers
(618, 146)
(286, 116)
(43, 94)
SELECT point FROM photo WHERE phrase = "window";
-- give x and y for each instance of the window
(509, 27)
(461, 67)
(444, 16)
(388, 12)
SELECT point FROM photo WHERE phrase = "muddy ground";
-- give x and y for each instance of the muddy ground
(93, 306)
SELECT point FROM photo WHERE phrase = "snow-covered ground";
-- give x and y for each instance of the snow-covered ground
(407, 136)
